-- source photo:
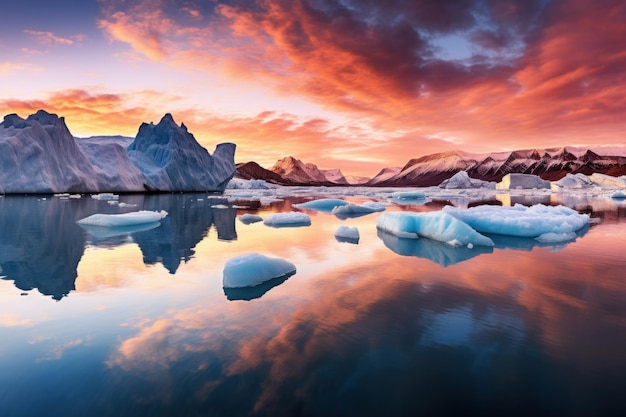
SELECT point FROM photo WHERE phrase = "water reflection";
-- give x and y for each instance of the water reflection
(251, 293)
(437, 252)
(41, 244)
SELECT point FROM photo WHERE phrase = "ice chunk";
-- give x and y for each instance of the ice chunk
(572, 181)
(355, 210)
(254, 269)
(461, 180)
(408, 195)
(522, 181)
(105, 196)
(125, 219)
(250, 218)
(291, 219)
(324, 204)
(519, 220)
(607, 181)
(438, 226)
(347, 234)
(619, 195)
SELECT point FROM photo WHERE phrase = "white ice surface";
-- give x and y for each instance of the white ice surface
(252, 269)
(522, 181)
(520, 220)
(324, 204)
(461, 180)
(347, 232)
(250, 218)
(292, 218)
(437, 226)
(125, 219)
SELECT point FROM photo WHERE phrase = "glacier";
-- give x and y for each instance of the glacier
(39, 155)
(253, 269)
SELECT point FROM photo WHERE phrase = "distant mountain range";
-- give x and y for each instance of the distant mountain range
(550, 164)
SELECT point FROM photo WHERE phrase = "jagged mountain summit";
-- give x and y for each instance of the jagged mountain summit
(549, 164)
(292, 171)
(39, 155)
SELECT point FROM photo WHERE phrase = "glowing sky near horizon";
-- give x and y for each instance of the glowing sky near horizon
(356, 85)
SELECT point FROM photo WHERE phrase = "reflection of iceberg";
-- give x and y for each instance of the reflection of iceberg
(250, 293)
(101, 233)
(528, 243)
(189, 220)
(438, 252)
(41, 244)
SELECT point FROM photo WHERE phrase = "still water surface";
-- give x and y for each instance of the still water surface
(136, 322)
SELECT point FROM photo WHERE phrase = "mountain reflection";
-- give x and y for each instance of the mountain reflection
(41, 244)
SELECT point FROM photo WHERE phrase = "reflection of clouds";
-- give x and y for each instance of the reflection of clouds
(56, 352)
(360, 323)
(12, 320)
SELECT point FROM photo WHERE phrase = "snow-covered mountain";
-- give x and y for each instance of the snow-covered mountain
(550, 164)
(39, 155)
(295, 171)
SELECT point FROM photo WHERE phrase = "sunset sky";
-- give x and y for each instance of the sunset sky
(351, 84)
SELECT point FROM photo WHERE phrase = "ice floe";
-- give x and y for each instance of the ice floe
(252, 269)
(347, 234)
(438, 226)
(324, 204)
(356, 210)
(124, 219)
(250, 218)
(290, 219)
(522, 221)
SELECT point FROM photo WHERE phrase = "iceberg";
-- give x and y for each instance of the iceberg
(522, 181)
(250, 218)
(124, 219)
(347, 234)
(408, 195)
(356, 210)
(291, 219)
(520, 220)
(619, 195)
(253, 269)
(461, 180)
(572, 181)
(325, 204)
(439, 226)
(39, 155)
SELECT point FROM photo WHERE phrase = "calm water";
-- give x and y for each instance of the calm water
(136, 322)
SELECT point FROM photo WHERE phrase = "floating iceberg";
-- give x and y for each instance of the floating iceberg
(253, 269)
(105, 196)
(408, 195)
(347, 234)
(520, 220)
(619, 195)
(522, 181)
(291, 219)
(438, 226)
(461, 180)
(325, 204)
(355, 210)
(250, 218)
(125, 219)
(573, 181)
